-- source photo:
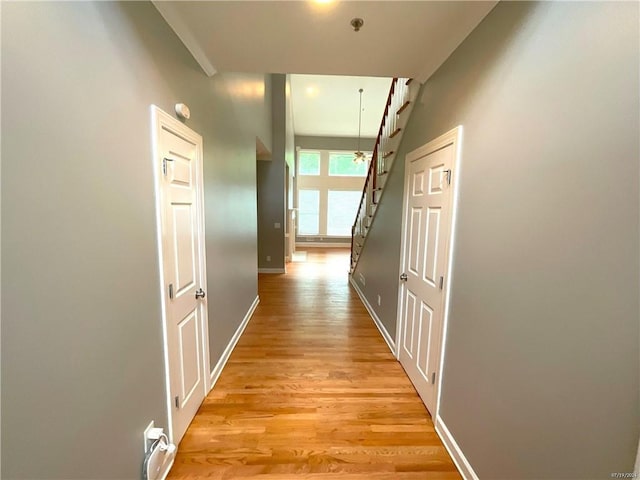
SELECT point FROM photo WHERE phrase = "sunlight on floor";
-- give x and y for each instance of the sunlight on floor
(299, 257)
(322, 263)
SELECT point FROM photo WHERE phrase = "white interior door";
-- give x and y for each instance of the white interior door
(178, 154)
(428, 205)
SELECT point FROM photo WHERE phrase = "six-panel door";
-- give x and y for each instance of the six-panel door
(427, 224)
(182, 272)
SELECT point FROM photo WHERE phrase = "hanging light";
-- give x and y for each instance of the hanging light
(359, 157)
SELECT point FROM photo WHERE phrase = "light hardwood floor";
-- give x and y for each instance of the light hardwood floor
(312, 391)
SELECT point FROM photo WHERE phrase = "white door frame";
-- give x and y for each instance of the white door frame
(161, 120)
(452, 137)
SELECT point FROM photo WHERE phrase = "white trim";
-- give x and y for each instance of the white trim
(458, 135)
(155, 142)
(463, 465)
(215, 373)
(444, 140)
(383, 331)
(177, 24)
(403, 257)
(321, 244)
(272, 270)
(162, 120)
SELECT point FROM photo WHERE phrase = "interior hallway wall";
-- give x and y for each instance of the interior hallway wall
(347, 144)
(82, 357)
(541, 375)
(271, 179)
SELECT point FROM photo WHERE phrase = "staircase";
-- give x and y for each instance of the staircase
(400, 102)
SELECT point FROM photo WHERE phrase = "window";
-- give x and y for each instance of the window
(342, 206)
(342, 164)
(308, 212)
(309, 163)
(328, 190)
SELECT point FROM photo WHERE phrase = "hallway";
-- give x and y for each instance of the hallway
(312, 391)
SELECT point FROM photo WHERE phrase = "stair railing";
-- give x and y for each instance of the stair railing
(401, 95)
(370, 184)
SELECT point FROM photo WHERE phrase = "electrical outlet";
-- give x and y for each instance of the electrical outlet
(276, 225)
(268, 258)
(147, 441)
(379, 300)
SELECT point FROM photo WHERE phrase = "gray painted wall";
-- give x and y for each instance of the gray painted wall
(265, 127)
(334, 143)
(271, 178)
(329, 241)
(82, 368)
(541, 368)
(289, 140)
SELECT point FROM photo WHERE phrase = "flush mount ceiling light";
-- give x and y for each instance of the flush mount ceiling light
(357, 24)
(359, 157)
(322, 7)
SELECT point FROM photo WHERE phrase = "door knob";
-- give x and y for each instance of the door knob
(403, 277)
(200, 293)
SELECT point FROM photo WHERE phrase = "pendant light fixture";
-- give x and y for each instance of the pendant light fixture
(359, 157)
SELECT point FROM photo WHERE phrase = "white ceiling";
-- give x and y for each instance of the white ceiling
(326, 105)
(398, 39)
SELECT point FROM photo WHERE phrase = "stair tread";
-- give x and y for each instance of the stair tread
(383, 143)
(403, 107)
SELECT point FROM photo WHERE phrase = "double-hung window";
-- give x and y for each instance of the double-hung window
(309, 163)
(329, 188)
(342, 206)
(308, 212)
(342, 165)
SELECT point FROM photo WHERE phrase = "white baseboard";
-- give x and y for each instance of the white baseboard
(454, 450)
(374, 316)
(215, 374)
(272, 270)
(322, 244)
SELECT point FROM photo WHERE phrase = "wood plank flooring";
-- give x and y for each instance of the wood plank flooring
(312, 391)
